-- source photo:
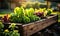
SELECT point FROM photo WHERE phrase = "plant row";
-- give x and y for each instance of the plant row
(21, 15)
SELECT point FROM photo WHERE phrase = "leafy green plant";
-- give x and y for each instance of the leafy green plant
(12, 26)
(1, 29)
(17, 15)
(7, 32)
(13, 32)
(21, 15)
(1, 25)
(26, 19)
(30, 14)
(49, 12)
(14, 18)
(33, 18)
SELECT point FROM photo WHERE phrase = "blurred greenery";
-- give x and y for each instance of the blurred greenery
(3, 12)
(35, 5)
(58, 16)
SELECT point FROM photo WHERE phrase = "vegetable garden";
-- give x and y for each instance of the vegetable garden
(25, 21)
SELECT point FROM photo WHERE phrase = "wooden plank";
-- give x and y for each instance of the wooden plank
(32, 28)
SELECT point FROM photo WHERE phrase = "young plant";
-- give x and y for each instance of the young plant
(13, 32)
(12, 26)
(6, 32)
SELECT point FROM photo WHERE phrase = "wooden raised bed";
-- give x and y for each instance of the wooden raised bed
(31, 28)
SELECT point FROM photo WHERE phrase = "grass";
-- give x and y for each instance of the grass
(3, 12)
